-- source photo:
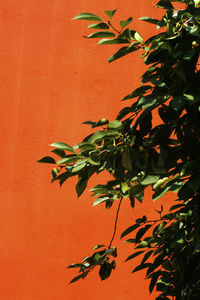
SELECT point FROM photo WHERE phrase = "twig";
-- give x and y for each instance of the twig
(115, 227)
(113, 28)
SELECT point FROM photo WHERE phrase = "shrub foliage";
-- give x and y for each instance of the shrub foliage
(139, 154)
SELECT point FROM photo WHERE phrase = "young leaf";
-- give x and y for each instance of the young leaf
(87, 17)
(126, 23)
(110, 13)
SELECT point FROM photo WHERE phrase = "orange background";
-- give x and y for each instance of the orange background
(52, 80)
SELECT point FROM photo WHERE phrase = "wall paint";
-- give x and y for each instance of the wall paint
(52, 80)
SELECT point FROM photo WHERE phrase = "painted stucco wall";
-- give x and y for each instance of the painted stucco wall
(51, 81)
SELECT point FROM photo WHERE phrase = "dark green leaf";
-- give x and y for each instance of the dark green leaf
(123, 51)
(105, 270)
(146, 256)
(101, 34)
(141, 267)
(154, 279)
(81, 185)
(72, 266)
(134, 255)
(81, 276)
(129, 230)
(150, 20)
(101, 25)
(47, 160)
(166, 4)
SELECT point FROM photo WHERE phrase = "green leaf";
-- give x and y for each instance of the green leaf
(81, 185)
(81, 276)
(150, 20)
(142, 231)
(97, 136)
(129, 230)
(47, 160)
(138, 37)
(150, 179)
(72, 266)
(100, 200)
(68, 160)
(112, 41)
(138, 92)
(125, 23)
(154, 279)
(98, 247)
(54, 173)
(146, 256)
(166, 4)
(79, 166)
(123, 51)
(62, 146)
(87, 17)
(101, 34)
(105, 270)
(101, 25)
(59, 152)
(110, 13)
(141, 267)
(116, 124)
(134, 255)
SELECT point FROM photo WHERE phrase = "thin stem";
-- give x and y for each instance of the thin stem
(113, 27)
(116, 219)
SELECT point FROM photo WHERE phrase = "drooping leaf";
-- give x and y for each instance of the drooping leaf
(123, 51)
(81, 185)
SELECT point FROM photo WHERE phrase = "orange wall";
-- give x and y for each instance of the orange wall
(51, 81)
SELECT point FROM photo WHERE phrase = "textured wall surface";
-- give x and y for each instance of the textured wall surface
(52, 80)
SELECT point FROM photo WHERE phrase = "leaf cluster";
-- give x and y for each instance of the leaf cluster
(139, 153)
